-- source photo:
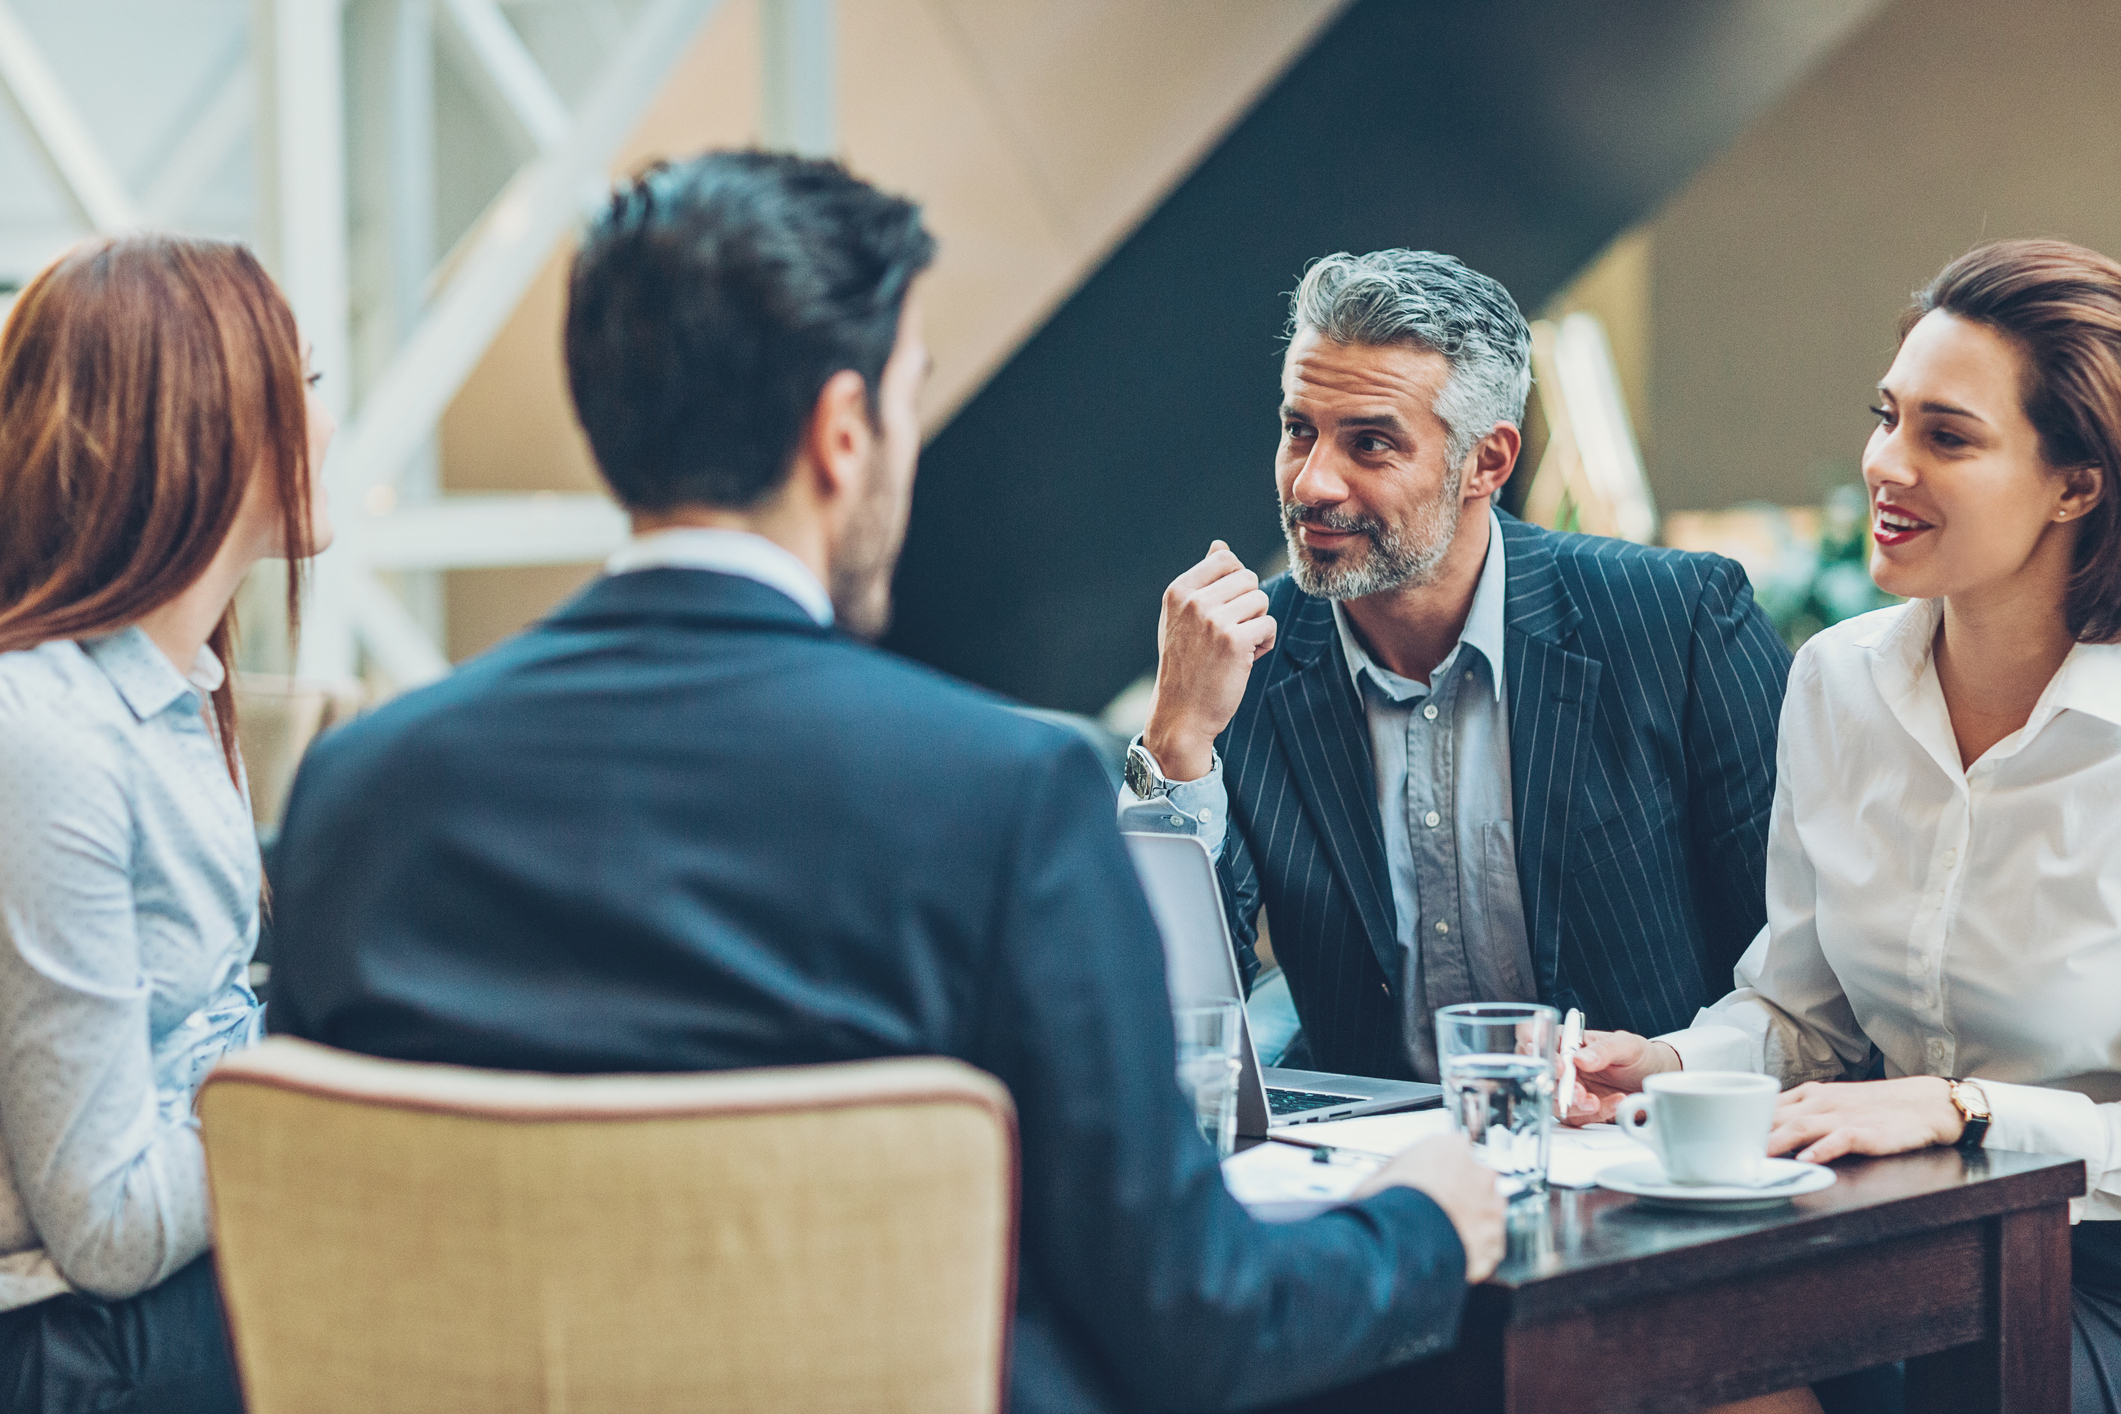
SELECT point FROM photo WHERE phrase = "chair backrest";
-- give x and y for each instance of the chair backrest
(406, 1237)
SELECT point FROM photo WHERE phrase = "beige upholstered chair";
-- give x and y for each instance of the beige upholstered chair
(395, 1237)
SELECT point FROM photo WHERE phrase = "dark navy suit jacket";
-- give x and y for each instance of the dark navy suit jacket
(681, 827)
(1644, 687)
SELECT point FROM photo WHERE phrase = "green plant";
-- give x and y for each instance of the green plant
(1814, 583)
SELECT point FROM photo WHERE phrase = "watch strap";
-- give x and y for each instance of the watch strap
(1975, 1126)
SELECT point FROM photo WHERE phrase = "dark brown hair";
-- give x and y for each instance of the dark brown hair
(2060, 304)
(144, 380)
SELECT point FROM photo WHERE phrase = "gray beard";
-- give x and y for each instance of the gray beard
(1395, 557)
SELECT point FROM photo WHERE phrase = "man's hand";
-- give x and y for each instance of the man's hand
(1823, 1122)
(1214, 626)
(1445, 1169)
(1612, 1066)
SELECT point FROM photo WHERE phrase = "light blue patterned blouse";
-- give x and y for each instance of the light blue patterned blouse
(128, 914)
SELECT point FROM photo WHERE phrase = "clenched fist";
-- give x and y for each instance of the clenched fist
(1214, 626)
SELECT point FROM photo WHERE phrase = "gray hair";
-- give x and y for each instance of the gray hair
(1433, 302)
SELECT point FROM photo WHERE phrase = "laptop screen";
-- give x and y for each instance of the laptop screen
(1179, 879)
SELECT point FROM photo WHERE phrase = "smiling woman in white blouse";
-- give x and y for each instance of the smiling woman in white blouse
(1944, 863)
(156, 441)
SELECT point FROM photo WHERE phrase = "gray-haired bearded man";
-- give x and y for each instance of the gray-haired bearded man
(1456, 757)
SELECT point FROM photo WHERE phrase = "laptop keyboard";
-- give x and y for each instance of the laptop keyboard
(1290, 1102)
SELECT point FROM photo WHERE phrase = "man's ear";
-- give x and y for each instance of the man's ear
(838, 440)
(1491, 461)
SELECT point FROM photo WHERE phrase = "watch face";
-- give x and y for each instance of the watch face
(1141, 779)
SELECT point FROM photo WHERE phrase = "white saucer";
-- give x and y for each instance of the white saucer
(1645, 1179)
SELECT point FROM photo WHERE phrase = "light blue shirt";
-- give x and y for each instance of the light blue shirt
(129, 882)
(1441, 755)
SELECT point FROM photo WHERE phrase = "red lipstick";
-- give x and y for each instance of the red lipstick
(1890, 525)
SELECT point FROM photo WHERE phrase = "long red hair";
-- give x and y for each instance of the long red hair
(144, 381)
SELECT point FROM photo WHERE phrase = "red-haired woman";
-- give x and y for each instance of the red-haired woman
(157, 440)
(1944, 864)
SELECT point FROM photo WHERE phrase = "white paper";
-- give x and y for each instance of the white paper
(1577, 1156)
(1376, 1134)
(1272, 1175)
(1283, 1173)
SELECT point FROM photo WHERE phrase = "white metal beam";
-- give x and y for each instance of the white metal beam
(516, 238)
(31, 87)
(297, 53)
(410, 219)
(393, 638)
(298, 57)
(198, 156)
(482, 532)
(503, 75)
(799, 73)
(411, 148)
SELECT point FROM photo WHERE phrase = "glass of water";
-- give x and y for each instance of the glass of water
(1497, 1060)
(1209, 1035)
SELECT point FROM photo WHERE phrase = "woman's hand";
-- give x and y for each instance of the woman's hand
(1823, 1122)
(1612, 1066)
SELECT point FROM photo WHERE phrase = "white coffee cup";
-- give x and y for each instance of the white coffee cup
(1705, 1126)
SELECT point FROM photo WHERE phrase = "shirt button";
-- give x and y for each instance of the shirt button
(1206, 816)
(1443, 927)
(1429, 711)
(1432, 819)
(1178, 820)
(1951, 859)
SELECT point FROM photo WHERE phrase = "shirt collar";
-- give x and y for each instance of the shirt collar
(737, 552)
(146, 679)
(2089, 679)
(1485, 621)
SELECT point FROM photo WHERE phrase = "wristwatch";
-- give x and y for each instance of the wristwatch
(1144, 777)
(1972, 1104)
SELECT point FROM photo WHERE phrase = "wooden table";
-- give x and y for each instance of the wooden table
(1956, 1263)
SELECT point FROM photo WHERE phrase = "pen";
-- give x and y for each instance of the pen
(1331, 1151)
(1571, 1043)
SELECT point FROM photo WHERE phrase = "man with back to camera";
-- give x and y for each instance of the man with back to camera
(1455, 757)
(694, 822)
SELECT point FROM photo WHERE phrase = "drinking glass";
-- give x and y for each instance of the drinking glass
(1209, 1035)
(1497, 1060)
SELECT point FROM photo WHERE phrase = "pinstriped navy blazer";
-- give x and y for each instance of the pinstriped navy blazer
(1644, 689)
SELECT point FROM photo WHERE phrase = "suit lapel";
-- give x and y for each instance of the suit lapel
(1322, 730)
(1553, 710)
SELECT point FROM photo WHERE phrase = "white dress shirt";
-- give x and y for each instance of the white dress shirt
(1956, 922)
(128, 916)
(736, 552)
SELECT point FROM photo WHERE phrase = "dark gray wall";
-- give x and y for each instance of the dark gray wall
(1138, 424)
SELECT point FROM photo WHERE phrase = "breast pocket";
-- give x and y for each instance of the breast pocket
(1626, 913)
(1627, 835)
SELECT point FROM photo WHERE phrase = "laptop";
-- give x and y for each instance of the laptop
(1200, 963)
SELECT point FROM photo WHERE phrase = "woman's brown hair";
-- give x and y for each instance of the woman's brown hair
(144, 381)
(2060, 304)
